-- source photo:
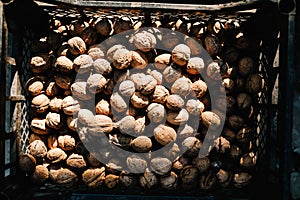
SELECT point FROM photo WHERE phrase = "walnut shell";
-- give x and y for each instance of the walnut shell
(212, 45)
(195, 66)
(241, 179)
(224, 177)
(96, 83)
(140, 124)
(245, 135)
(141, 144)
(118, 103)
(139, 100)
(52, 89)
(161, 166)
(148, 179)
(139, 59)
(124, 23)
(66, 142)
(77, 45)
(77, 26)
(127, 125)
(127, 88)
(85, 117)
(55, 104)
(178, 118)
(156, 112)
(181, 54)
(83, 63)
(104, 26)
(103, 108)
(76, 162)
(244, 101)
(171, 74)
(136, 164)
(34, 86)
(208, 180)
(39, 127)
(222, 145)
(210, 119)
(101, 124)
(147, 85)
(201, 163)
(112, 50)
(195, 44)
(254, 84)
(27, 163)
(37, 149)
(169, 182)
(199, 88)
(162, 61)
(170, 40)
(63, 65)
(94, 178)
(52, 141)
(96, 53)
(80, 90)
(213, 71)
(182, 87)
(53, 120)
(89, 35)
(70, 105)
(164, 134)
(72, 123)
(127, 179)
(160, 94)
(191, 145)
(111, 181)
(92, 160)
(63, 81)
(246, 66)
(40, 175)
(194, 107)
(56, 155)
(122, 58)
(144, 41)
(188, 177)
(65, 177)
(156, 75)
(102, 66)
(40, 103)
(174, 102)
(235, 122)
(40, 63)
(248, 159)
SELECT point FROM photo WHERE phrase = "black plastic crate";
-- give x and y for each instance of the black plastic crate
(256, 15)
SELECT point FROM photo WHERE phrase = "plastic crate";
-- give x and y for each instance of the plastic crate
(254, 15)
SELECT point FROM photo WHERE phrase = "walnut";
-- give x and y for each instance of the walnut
(63, 65)
(104, 26)
(140, 124)
(76, 162)
(169, 182)
(70, 105)
(182, 87)
(148, 179)
(244, 101)
(141, 144)
(52, 89)
(228, 85)
(63, 81)
(136, 164)
(127, 88)
(156, 75)
(118, 103)
(242, 179)
(164, 134)
(221, 145)
(181, 54)
(162, 61)
(195, 44)
(139, 59)
(53, 120)
(191, 145)
(92, 160)
(147, 85)
(174, 102)
(201, 163)
(66, 142)
(37, 149)
(124, 23)
(171, 74)
(96, 83)
(127, 125)
(156, 112)
(188, 177)
(40, 63)
(101, 124)
(52, 141)
(112, 50)
(27, 163)
(80, 90)
(127, 179)
(144, 41)
(103, 108)
(254, 84)
(235, 122)
(33, 136)
(185, 131)
(213, 70)
(181, 162)
(139, 100)
(170, 40)
(77, 26)
(224, 177)
(122, 58)
(83, 63)
(160, 94)
(210, 119)
(111, 180)
(195, 66)
(212, 45)
(102, 66)
(40, 103)
(65, 177)
(77, 45)
(246, 66)
(34, 86)
(245, 135)
(208, 180)
(40, 175)
(228, 134)
(96, 53)
(89, 35)
(39, 127)
(113, 166)
(161, 166)
(178, 117)
(248, 159)
(194, 107)
(200, 88)
(85, 117)
(56, 155)
(94, 178)
(55, 104)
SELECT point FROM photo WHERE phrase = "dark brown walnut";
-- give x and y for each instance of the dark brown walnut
(94, 178)
(112, 50)
(178, 117)
(235, 122)
(245, 135)
(210, 119)
(111, 181)
(161, 166)
(139, 59)
(170, 40)
(136, 164)
(34, 136)
(70, 106)
(156, 112)
(65, 177)
(157, 75)
(197, 29)
(174, 102)
(53, 120)
(54, 39)
(127, 179)
(118, 103)
(202, 163)
(127, 88)
(162, 61)
(89, 35)
(27, 163)
(121, 140)
(63, 81)
(38, 126)
(148, 179)
(240, 84)
(103, 108)
(40, 45)
(55, 104)
(139, 100)
(191, 146)
(199, 88)
(241, 179)
(92, 159)
(160, 94)
(248, 159)
(63, 65)
(214, 26)
(254, 84)
(96, 83)
(144, 41)
(102, 66)
(52, 89)
(56, 155)
(127, 125)
(195, 44)
(77, 46)
(40, 103)
(141, 144)
(229, 85)
(169, 182)
(96, 53)
(230, 54)
(228, 134)
(104, 26)
(37, 149)
(224, 177)
(122, 58)
(85, 117)
(140, 124)
(244, 101)
(182, 87)
(222, 145)
(34, 86)
(40, 175)
(188, 177)
(246, 66)
(195, 66)
(212, 45)
(235, 152)
(66, 142)
(229, 103)
(213, 70)
(124, 23)
(76, 162)
(80, 90)
(164, 134)
(101, 124)
(171, 74)
(77, 26)
(83, 63)
(52, 141)
(181, 54)
(40, 63)
(208, 180)
(194, 107)
(180, 162)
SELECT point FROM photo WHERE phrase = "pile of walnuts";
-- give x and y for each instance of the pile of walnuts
(86, 82)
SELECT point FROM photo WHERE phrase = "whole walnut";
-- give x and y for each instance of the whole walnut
(162, 61)
(40, 63)
(212, 45)
(241, 179)
(245, 134)
(246, 66)
(228, 134)
(148, 179)
(101, 124)
(188, 177)
(172, 152)
(140, 124)
(128, 179)
(63, 81)
(139, 100)
(182, 87)
(34, 86)
(77, 26)
(127, 125)
(66, 142)
(157, 75)
(178, 117)
(171, 74)
(244, 101)
(56, 155)
(72, 123)
(202, 163)
(181, 54)
(112, 50)
(235, 122)
(161, 166)
(137, 78)
(52, 141)
(111, 181)
(195, 66)
(65, 177)
(122, 58)
(160, 94)
(254, 84)
(191, 146)
(222, 145)
(147, 85)
(39, 127)
(208, 180)
(85, 117)
(213, 70)
(103, 108)
(55, 104)
(70, 105)
(53, 120)
(80, 90)
(94, 178)
(89, 35)
(248, 159)
(199, 88)
(185, 131)
(195, 44)
(123, 23)
(52, 89)
(77, 45)
(40, 103)
(83, 63)
(174, 102)
(120, 75)
(180, 162)
(92, 160)
(229, 85)
(104, 26)
(224, 177)
(169, 182)
(141, 144)
(118, 103)
(127, 88)
(63, 65)
(164, 134)
(76, 162)
(40, 175)
(170, 40)
(102, 66)
(37, 149)
(96, 53)
(139, 59)
(156, 112)
(96, 83)
(210, 119)
(114, 166)
(229, 102)
(194, 107)
(144, 41)
(136, 164)
(27, 163)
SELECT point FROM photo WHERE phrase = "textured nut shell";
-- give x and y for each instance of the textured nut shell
(194, 107)
(52, 89)
(52, 141)
(141, 144)
(55, 104)
(201, 163)
(94, 178)
(148, 179)
(63, 64)
(66, 177)
(139, 100)
(181, 54)
(80, 90)
(244, 101)
(102, 66)
(85, 117)
(40, 175)
(96, 83)
(38, 126)
(70, 105)
(191, 145)
(170, 40)
(174, 102)
(122, 24)
(195, 45)
(178, 118)
(212, 45)
(147, 85)
(162, 61)
(170, 74)
(27, 163)
(164, 134)
(169, 182)
(188, 177)
(235, 122)
(56, 155)
(127, 125)
(89, 35)
(111, 180)
(127, 88)
(122, 58)
(140, 124)
(63, 81)
(118, 103)
(248, 160)
(83, 63)
(161, 166)
(112, 50)
(241, 179)
(156, 75)
(160, 94)
(103, 108)
(144, 41)
(254, 84)
(35, 88)
(208, 180)
(156, 112)
(66, 142)
(195, 66)
(139, 59)
(182, 87)
(213, 71)
(76, 161)
(136, 164)
(40, 63)
(210, 119)
(92, 160)
(53, 120)
(222, 145)
(37, 149)
(101, 124)
(76, 45)
(104, 26)
(245, 66)
(40, 103)
(200, 88)
(96, 53)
